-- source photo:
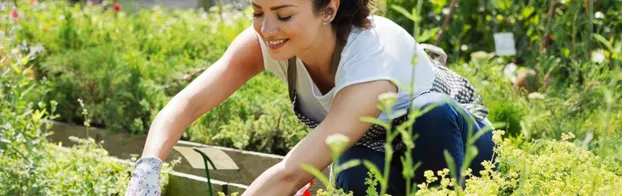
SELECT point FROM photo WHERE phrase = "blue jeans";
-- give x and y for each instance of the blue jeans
(442, 128)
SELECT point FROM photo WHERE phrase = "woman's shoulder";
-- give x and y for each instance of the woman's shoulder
(385, 51)
(382, 30)
(384, 34)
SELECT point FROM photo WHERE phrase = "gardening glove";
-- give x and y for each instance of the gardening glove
(304, 191)
(145, 179)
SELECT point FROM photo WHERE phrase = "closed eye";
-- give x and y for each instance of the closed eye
(257, 14)
(284, 18)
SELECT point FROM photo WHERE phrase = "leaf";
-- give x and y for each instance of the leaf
(3, 144)
(374, 170)
(451, 165)
(527, 11)
(30, 88)
(24, 60)
(403, 11)
(317, 173)
(468, 158)
(498, 125)
(477, 135)
(349, 164)
(603, 41)
(428, 34)
(37, 115)
(16, 69)
(566, 52)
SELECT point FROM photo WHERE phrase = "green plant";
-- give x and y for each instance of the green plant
(256, 117)
(29, 164)
(559, 28)
(548, 167)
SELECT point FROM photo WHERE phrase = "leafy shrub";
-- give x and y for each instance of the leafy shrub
(113, 90)
(547, 167)
(127, 66)
(29, 165)
(567, 32)
(123, 65)
(256, 117)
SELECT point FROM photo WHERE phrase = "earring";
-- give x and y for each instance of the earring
(329, 14)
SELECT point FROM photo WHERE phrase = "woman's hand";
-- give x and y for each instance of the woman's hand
(145, 179)
(349, 105)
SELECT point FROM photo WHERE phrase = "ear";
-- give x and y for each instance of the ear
(331, 10)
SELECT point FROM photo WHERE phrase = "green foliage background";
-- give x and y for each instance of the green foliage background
(125, 67)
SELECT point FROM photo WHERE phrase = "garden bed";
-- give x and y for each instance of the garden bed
(125, 146)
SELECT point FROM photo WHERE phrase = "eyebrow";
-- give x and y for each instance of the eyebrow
(275, 7)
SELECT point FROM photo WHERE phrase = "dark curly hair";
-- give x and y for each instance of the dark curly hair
(350, 13)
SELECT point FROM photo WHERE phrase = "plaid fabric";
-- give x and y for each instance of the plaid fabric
(461, 90)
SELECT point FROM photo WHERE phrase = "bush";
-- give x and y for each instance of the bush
(566, 33)
(257, 117)
(29, 165)
(548, 167)
(125, 66)
(112, 89)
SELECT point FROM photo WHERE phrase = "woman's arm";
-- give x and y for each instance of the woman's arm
(241, 61)
(351, 103)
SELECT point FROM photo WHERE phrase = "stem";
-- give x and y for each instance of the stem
(387, 155)
(19, 153)
(452, 6)
(220, 10)
(544, 43)
(416, 31)
(590, 36)
(408, 155)
(387, 161)
(574, 34)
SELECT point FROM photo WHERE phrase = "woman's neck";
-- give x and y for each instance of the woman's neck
(318, 57)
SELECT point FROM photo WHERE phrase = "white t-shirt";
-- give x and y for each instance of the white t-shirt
(383, 52)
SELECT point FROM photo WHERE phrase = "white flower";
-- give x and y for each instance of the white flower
(464, 47)
(481, 56)
(599, 15)
(535, 95)
(598, 56)
(445, 11)
(509, 71)
(337, 138)
(337, 142)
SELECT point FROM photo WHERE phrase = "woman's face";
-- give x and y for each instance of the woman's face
(287, 27)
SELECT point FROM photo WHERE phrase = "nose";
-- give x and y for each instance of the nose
(269, 27)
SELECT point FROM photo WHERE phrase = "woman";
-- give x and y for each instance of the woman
(336, 60)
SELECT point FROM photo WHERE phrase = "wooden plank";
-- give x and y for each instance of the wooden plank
(221, 160)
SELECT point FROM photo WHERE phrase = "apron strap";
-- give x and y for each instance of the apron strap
(292, 72)
(291, 77)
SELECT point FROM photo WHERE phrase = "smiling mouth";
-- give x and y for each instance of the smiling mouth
(277, 44)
